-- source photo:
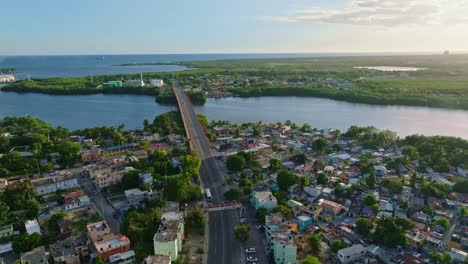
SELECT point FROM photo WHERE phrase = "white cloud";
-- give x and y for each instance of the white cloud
(386, 13)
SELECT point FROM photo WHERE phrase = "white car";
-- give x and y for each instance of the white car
(250, 250)
(252, 259)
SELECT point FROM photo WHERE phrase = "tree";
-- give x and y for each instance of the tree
(440, 258)
(322, 179)
(285, 211)
(261, 213)
(286, 179)
(241, 233)
(314, 242)
(339, 191)
(389, 233)
(393, 185)
(25, 242)
(195, 219)
(370, 200)
(235, 163)
(68, 153)
(461, 186)
(275, 164)
(311, 260)
(337, 244)
(130, 180)
(98, 260)
(319, 144)
(364, 226)
(3, 212)
(190, 165)
(176, 188)
(443, 222)
(232, 194)
(370, 180)
(375, 208)
(404, 222)
(305, 128)
(300, 158)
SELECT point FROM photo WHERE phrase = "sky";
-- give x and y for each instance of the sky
(32, 27)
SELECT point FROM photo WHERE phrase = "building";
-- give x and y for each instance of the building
(6, 231)
(104, 177)
(123, 258)
(351, 254)
(32, 226)
(64, 252)
(146, 178)
(60, 180)
(135, 83)
(3, 183)
(284, 248)
(304, 221)
(81, 245)
(111, 84)
(97, 231)
(35, 256)
(380, 171)
(136, 196)
(75, 200)
(158, 259)
(111, 245)
(264, 199)
(329, 207)
(458, 255)
(157, 82)
(168, 239)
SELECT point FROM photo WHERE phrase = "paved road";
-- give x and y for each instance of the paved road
(222, 246)
(100, 203)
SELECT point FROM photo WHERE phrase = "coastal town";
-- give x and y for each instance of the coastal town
(110, 195)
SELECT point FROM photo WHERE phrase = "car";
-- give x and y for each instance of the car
(259, 227)
(250, 250)
(252, 259)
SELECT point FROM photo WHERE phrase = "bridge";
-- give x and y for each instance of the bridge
(222, 245)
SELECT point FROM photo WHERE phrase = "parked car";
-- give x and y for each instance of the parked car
(252, 259)
(250, 250)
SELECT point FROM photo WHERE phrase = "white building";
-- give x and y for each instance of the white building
(135, 196)
(61, 180)
(157, 82)
(32, 226)
(284, 248)
(351, 254)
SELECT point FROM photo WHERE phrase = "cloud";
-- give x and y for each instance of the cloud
(386, 13)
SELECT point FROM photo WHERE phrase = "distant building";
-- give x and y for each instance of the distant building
(60, 180)
(380, 171)
(351, 254)
(135, 83)
(123, 258)
(157, 259)
(35, 256)
(32, 226)
(157, 82)
(64, 252)
(112, 84)
(264, 199)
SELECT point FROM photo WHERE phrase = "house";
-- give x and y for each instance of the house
(136, 196)
(416, 238)
(146, 178)
(380, 171)
(264, 199)
(458, 255)
(157, 259)
(330, 207)
(32, 226)
(59, 180)
(168, 239)
(284, 248)
(304, 221)
(156, 82)
(65, 227)
(97, 231)
(351, 254)
(81, 245)
(35, 256)
(7, 247)
(6, 231)
(75, 200)
(111, 245)
(123, 258)
(64, 252)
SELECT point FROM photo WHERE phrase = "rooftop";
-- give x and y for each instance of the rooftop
(265, 197)
(122, 256)
(168, 231)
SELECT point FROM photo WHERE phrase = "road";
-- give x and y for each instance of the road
(222, 246)
(100, 203)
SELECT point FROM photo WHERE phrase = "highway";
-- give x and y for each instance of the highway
(222, 246)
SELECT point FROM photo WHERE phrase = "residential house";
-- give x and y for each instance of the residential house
(123, 258)
(81, 245)
(35, 256)
(304, 221)
(75, 200)
(60, 180)
(97, 231)
(264, 199)
(330, 209)
(111, 245)
(168, 239)
(146, 178)
(6, 231)
(65, 227)
(64, 252)
(351, 254)
(380, 171)
(32, 226)
(136, 196)
(284, 248)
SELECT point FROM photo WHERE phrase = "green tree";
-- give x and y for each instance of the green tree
(443, 222)
(339, 191)
(68, 153)
(190, 164)
(389, 233)
(322, 179)
(261, 213)
(440, 258)
(305, 128)
(285, 211)
(370, 180)
(98, 260)
(370, 200)
(337, 244)
(232, 194)
(241, 233)
(314, 242)
(130, 180)
(461, 186)
(311, 260)
(25, 242)
(195, 219)
(286, 179)
(275, 164)
(300, 158)
(364, 226)
(235, 163)
(375, 208)
(320, 144)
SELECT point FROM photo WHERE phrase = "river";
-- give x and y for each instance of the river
(76, 112)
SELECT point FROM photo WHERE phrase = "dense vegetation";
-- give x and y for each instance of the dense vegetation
(167, 123)
(197, 98)
(7, 70)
